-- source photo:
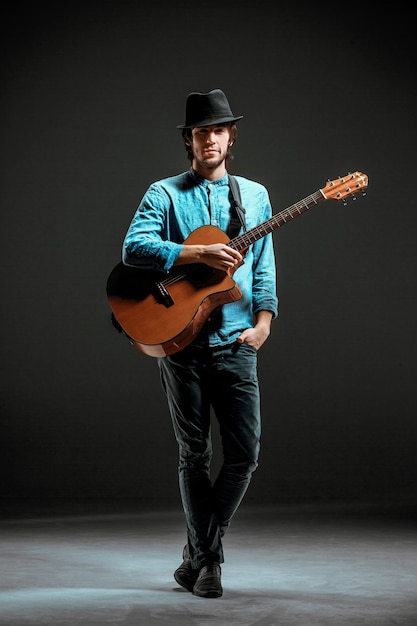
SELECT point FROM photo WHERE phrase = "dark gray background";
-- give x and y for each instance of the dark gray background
(91, 96)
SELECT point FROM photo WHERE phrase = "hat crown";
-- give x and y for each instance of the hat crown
(205, 109)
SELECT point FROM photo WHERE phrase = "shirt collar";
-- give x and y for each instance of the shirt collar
(204, 182)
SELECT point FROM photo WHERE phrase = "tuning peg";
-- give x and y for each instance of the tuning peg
(353, 197)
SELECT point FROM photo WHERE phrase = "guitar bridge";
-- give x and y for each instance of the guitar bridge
(162, 295)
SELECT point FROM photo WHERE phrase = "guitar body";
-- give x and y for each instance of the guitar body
(162, 314)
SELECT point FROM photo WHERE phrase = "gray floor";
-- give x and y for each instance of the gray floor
(285, 564)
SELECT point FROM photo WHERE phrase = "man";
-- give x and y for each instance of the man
(218, 369)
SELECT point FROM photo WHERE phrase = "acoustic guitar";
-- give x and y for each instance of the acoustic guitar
(162, 313)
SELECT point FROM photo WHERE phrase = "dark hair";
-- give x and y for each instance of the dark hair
(187, 134)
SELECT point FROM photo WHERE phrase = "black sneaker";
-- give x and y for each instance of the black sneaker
(208, 583)
(185, 575)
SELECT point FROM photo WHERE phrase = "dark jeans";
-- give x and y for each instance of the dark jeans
(196, 379)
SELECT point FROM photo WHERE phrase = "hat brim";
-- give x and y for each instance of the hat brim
(211, 122)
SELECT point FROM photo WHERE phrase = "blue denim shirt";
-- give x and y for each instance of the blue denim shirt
(172, 209)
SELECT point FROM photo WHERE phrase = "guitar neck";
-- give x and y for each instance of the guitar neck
(243, 241)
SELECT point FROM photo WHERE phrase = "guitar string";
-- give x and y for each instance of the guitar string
(241, 242)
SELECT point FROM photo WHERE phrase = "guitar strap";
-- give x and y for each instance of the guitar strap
(237, 218)
(236, 222)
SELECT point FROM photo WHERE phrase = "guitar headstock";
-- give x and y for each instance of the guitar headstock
(345, 186)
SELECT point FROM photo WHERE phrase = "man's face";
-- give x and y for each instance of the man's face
(210, 144)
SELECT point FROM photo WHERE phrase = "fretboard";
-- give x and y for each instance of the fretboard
(243, 241)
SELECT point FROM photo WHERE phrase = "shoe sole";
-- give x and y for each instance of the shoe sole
(208, 594)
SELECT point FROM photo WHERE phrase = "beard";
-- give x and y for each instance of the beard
(211, 164)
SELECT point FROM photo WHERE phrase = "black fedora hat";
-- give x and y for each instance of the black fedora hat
(205, 109)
